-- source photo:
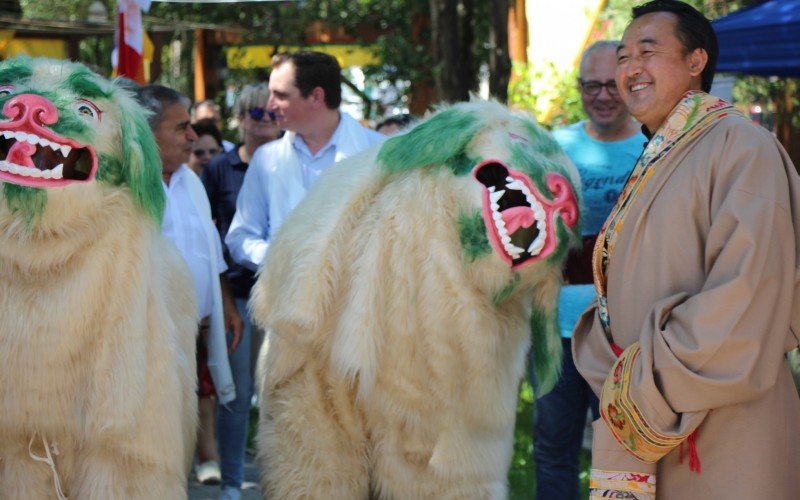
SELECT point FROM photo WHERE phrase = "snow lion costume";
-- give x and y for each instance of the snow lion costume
(97, 313)
(400, 297)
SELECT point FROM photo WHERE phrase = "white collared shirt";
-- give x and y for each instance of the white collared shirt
(185, 228)
(285, 166)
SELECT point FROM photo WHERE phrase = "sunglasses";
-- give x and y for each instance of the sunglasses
(258, 114)
(203, 152)
(593, 87)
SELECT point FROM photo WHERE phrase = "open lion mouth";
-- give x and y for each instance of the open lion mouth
(519, 220)
(29, 155)
(35, 156)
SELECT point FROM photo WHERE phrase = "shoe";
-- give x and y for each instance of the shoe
(229, 493)
(208, 472)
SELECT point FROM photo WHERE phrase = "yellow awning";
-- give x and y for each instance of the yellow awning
(258, 56)
(34, 47)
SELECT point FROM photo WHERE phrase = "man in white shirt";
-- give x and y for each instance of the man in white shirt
(306, 92)
(187, 223)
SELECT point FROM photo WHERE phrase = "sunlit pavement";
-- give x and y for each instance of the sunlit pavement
(250, 489)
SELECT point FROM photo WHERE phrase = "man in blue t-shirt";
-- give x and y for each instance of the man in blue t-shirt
(605, 148)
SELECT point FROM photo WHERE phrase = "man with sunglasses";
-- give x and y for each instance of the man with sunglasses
(223, 179)
(305, 94)
(604, 147)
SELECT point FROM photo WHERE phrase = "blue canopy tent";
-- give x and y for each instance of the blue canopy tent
(762, 39)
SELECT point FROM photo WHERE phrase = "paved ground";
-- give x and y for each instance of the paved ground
(250, 489)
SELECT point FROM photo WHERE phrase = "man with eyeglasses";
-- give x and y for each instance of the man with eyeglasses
(604, 147)
(305, 94)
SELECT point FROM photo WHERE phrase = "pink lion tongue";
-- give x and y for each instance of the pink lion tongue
(517, 217)
(20, 154)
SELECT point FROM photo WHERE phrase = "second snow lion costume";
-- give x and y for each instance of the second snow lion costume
(400, 297)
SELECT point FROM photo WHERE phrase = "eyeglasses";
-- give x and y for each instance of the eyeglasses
(593, 87)
(203, 152)
(258, 114)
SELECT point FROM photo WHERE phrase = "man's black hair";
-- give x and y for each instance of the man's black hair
(314, 69)
(692, 29)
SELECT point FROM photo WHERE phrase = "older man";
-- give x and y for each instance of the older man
(188, 224)
(604, 147)
(306, 91)
(696, 270)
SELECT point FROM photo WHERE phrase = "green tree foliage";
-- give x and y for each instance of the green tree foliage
(72, 10)
(400, 31)
(545, 86)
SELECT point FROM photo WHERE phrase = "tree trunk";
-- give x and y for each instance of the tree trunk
(423, 93)
(499, 57)
(452, 38)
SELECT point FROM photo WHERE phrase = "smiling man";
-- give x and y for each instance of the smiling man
(305, 94)
(696, 271)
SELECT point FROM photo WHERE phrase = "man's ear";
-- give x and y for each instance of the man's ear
(698, 58)
(318, 97)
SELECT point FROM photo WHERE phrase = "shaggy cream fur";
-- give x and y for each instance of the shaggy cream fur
(393, 358)
(97, 327)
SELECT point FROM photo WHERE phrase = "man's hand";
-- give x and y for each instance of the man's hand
(233, 321)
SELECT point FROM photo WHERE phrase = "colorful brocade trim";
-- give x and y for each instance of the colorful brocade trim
(625, 420)
(614, 484)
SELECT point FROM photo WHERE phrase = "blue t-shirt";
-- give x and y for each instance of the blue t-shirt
(604, 168)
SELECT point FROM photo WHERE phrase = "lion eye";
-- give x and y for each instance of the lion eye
(6, 90)
(87, 110)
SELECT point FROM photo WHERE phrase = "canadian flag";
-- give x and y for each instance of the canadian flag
(127, 57)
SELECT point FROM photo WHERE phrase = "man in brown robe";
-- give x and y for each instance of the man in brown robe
(696, 271)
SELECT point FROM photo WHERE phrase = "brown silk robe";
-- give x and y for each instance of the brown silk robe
(704, 276)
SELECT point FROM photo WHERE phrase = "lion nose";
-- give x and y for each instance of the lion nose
(31, 108)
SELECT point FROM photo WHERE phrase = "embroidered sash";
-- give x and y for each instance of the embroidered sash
(695, 112)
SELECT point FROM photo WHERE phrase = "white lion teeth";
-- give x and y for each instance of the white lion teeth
(517, 185)
(35, 139)
(514, 251)
(537, 244)
(539, 215)
(55, 173)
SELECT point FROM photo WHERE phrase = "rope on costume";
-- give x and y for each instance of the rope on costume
(49, 461)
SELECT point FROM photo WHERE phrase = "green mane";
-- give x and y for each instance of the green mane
(135, 162)
(441, 140)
